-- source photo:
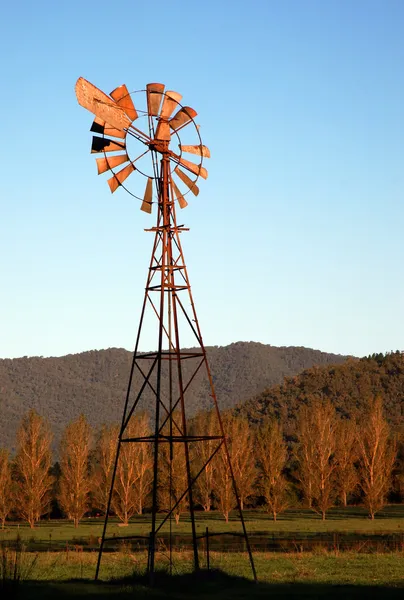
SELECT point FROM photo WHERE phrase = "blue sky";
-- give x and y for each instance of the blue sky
(296, 237)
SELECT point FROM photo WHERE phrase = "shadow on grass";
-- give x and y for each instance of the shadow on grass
(213, 585)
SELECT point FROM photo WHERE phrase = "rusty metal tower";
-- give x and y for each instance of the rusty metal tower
(135, 134)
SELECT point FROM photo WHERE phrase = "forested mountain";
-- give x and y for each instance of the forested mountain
(348, 386)
(94, 383)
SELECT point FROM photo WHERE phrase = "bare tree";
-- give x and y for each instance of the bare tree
(241, 449)
(305, 454)
(173, 479)
(6, 489)
(201, 452)
(272, 455)
(124, 497)
(144, 463)
(75, 483)
(346, 453)
(316, 448)
(377, 456)
(240, 446)
(224, 492)
(104, 458)
(33, 461)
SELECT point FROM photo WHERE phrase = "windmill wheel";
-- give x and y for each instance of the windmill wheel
(135, 130)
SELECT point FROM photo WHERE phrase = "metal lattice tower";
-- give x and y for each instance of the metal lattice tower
(163, 377)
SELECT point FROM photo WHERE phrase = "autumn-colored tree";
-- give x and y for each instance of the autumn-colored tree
(346, 453)
(124, 497)
(75, 483)
(204, 424)
(103, 465)
(304, 452)
(173, 479)
(272, 455)
(143, 462)
(33, 461)
(240, 445)
(6, 489)
(241, 449)
(223, 484)
(315, 454)
(377, 456)
(134, 471)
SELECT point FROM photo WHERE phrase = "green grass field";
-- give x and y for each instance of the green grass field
(66, 564)
(288, 576)
(352, 519)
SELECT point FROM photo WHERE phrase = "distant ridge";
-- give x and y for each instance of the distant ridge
(348, 386)
(94, 382)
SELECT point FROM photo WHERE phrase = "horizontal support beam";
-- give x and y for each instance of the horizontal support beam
(174, 438)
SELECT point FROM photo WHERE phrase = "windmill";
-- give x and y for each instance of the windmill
(135, 137)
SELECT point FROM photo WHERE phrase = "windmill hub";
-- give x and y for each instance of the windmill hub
(159, 145)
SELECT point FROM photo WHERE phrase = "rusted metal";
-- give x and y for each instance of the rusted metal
(101, 105)
(188, 182)
(107, 163)
(196, 169)
(105, 145)
(201, 150)
(147, 199)
(99, 126)
(154, 95)
(124, 100)
(163, 131)
(184, 116)
(170, 103)
(181, 200)
(167, 280)
(120, 177)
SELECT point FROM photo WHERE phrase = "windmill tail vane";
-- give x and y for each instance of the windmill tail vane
(134, 134)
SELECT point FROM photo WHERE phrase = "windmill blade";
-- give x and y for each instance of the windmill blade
(105, 145)
(148, 195)
(188, 182)
(196, 169)
(124, 100)
(154, 94)
(170, 102)
(183, 117)
(100, 126)
(105, 164)
(163, 131)
(111, 113)
(119, 178)
(181, 200)
(101, 105)
(200, 150)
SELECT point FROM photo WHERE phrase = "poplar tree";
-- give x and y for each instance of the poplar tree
(377, 457)
(272, 456)
(75, 482)
(6, 486)
(317, 425)
(33, 462)
(103, 465)
(346, 454)
(201, 452)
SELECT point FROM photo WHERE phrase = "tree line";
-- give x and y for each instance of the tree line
(328, 461)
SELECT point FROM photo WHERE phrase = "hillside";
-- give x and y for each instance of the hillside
(94, 383)
(347, 385)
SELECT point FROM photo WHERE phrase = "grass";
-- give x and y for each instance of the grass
(308, 575)
(69, 571)
(352, 519)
